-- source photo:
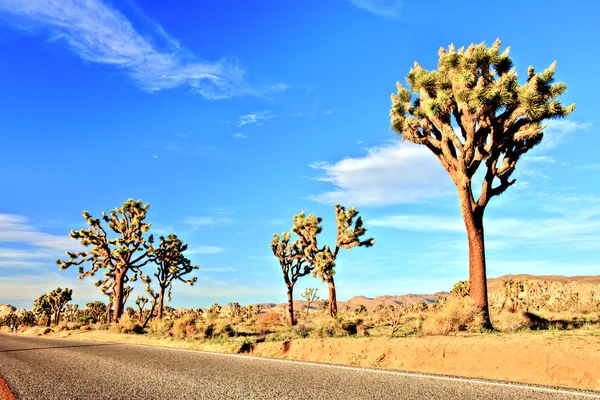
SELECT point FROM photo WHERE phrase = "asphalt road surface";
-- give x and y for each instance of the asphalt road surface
(44, 368)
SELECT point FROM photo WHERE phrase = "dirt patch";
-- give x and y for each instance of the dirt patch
(5, 392)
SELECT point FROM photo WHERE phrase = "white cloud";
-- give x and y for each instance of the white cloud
(383, 8)
(206, 250)
(99, 33)
(581, 230)
(254, 118)
(393, 173)
(560, 131)
(239, 136)
(328, 112)
(16, 229)
(24, 289)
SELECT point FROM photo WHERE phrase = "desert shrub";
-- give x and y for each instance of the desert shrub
(361, 328)
(160, 326)
(85, 328)
(349, 327)
(73, 326)
(271, 318)
(61, 327)
(303, 331)
(511, 321)
(223, 329)
(125, 325)
(46, 331)
(457, 314)
(209, 330)
(324, 330)
(86, 319)
(184, 327)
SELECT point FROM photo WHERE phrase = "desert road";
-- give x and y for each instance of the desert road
(44, 368)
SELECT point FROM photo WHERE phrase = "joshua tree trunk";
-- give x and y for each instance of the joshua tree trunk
(473, 218)
(332, 298)
(161, 300)
(118, 298)
(290, 296)
(49, 320)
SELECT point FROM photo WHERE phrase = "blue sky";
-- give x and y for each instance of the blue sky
(229, 117)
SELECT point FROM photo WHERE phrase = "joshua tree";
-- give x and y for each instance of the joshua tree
(120, 257)
(96, 310)
(42, 308)
(473, 112)
(310, 294)
(393, 315)
(57, 299)
(71, 312)
(172, 265)
(323, 259)
(293, 265)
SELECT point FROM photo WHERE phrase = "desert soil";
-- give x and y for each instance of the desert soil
(570, 359)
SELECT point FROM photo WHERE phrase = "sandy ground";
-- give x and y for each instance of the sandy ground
(561, 358)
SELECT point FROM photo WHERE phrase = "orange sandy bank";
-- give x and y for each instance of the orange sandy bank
(546, 359)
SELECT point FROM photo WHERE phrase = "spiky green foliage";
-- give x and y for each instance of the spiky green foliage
(121, 257)
(58, 298)
(172, 265)
(473, 110)
(42, 308)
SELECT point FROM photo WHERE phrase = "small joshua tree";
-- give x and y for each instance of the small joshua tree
(57, 299)
(71, 312)
(122, 257)
(471, 113)
(291, 257)
(349, 233)
(42, 308)
(172, 266)
(393, 315)
(96, 310)
(310, 294)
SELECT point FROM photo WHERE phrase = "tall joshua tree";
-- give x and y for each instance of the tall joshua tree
(293, 265)
(349, 233)
(122, 257)
(172, 265)
(471, 113)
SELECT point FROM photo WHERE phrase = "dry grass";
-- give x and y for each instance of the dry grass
(457, 314)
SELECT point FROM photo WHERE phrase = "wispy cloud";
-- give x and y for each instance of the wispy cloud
(218, 220)
(185, 148)
(561, 131)
(393, 173)
(239, 136)
(383, 8)
(17, 229)
(582, 229)
(206, 250)
(99, 33)
(255, 118)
